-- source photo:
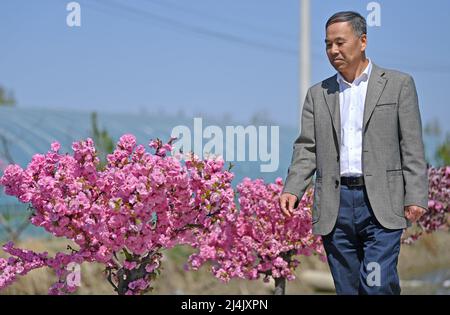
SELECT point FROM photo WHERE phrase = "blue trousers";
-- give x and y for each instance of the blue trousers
(361, 253)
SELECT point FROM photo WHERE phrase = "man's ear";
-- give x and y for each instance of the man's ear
(363, 40)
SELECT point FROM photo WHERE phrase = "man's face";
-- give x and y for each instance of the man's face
(344, 48)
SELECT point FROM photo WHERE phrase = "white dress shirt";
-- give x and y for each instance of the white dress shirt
(352, 98)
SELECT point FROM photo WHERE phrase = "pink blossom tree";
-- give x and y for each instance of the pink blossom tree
(122, 217)
(125, 215)
(257, 239)
(436, 218)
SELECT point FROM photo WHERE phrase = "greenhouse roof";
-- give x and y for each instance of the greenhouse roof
(25, 132)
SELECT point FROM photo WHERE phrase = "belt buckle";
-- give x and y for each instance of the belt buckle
(358, 181)
(352, 181)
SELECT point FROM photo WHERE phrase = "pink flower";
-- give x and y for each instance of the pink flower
(127, 142)
(103, 254)
(55, 146)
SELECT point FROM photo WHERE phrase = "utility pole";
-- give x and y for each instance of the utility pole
(304, 51)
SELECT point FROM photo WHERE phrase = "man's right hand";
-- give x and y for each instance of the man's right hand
(287, 202)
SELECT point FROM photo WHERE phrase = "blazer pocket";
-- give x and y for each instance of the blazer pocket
(396, 188)
(385, 106)
(394, 172)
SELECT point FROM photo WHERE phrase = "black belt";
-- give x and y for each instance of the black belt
(353, 181)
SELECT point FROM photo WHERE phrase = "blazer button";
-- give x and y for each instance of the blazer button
(337, 184)
(338, 158)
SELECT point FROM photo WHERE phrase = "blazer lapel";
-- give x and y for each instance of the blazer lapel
(375, 87)
(331, 93)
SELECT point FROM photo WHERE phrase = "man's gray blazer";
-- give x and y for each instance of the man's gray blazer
(393, 161)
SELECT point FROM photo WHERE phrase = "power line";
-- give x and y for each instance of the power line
(195, 12)
(176, 25)
(171, 23)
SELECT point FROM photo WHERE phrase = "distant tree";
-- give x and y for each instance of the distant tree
(227, 117)
(181, 114)
(442, 154)
(261, 117)
(6, 97)
(103, 141)
(433, 128)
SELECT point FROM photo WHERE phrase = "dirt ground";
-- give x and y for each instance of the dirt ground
(431, 252)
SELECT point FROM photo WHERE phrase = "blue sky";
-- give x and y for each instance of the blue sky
(202, 56)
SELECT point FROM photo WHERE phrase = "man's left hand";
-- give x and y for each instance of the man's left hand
(413, 213)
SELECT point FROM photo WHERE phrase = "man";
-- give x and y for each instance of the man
(362, 135)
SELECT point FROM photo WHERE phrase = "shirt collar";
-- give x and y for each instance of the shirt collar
(362, 77)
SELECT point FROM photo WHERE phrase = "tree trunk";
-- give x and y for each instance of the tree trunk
(280, 286)
(280, 283)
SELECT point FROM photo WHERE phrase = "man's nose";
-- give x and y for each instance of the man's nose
(334, 50)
